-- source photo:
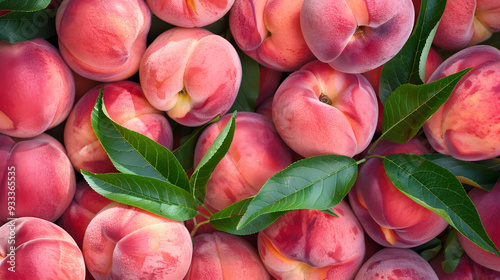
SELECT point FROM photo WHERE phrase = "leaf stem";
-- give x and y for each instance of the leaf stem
(197, 226)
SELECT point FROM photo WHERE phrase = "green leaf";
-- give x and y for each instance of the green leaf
(319, 183)
(467, 172)
(134, 153)
(493, 164)
(23, 26)
(453, 251)
(24, 5)
(437, 189)
(410, 106)
(249, 88)
(153, 195)
(408, 66)
(429, 250)
(218, 149)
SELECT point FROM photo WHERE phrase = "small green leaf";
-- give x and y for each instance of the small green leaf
(408, 65)
(134, 153)
(218, 149)
(410, 106)
(437, 189)
(467, 172)
(23, 26)
(319, 182)
(453, 251)
(24, 5)
(153, 195)
(493, 164)
(249, 88)
(429, 250)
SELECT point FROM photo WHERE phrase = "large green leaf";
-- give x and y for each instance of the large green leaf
(467, 172)
(437, 189)
(319, 182)
(407, 109)
(153, 195)
(207, 164)
(249, 88)
(408, 66)
(23, 26)
(24, 5)
(134, 153)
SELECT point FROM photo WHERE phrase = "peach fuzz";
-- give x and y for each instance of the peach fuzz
(106, 48)
(467, 126)
(192, 74)
(396, 263)
(43, 251)
(489, 211)
(221, 255)
(256, 153)
(126, 105)
(467, 22)
(39, 173)
(125, 242)
(85, 205)
(269, 32)
(191, 13)
(388, 216)
(356, 36)
(310, 244)
(466, 269)
(318, 110)
(37, 90)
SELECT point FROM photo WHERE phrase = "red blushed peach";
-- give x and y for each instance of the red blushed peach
(85, 205)
(126, 105)
(489, 211)
(192, 74)
(466, 23)
(310, 244)
(191, 13)
(256, 153)
(466, 269)
(37, 89)
(103, 40)
(356, 36)
(396, 263)
(43, 251)
(467, 126)
(124, 242)
(37, 176)
(269, 80)
(318, 110)
(269, 32)
(388, 216)
(220, 255)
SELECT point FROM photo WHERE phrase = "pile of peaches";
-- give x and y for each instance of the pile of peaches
(303, 78)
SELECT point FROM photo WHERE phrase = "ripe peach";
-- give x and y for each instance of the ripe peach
(388, 216)
(256, 153)
(466, 269)
(124, 242)
(192, 74)
(318, 110)
(310, 244)
(356, 36)
(126, 105)
(37, 90)
(103, 40)
(36, 178)
(467, 126)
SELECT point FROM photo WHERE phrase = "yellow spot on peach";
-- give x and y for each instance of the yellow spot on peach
(5, 122)
(182, 106)
(191, 3)
(389, 236)
(154, 243)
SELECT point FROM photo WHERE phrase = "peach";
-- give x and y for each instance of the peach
(388, 216)
(103, 40)
(221, 255)
(467, 22)
(125, 242)
(36, 178)
(37, 90)
(467, 126)
(269, 80)
(396, 263)
(356, 36)
(126, 105)
(191, 13)
(466, 269)
(192, 74)
(85, 205)
(269, 32)
(489, 211)
(318, 110)
(33, 248)
(310, 244)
